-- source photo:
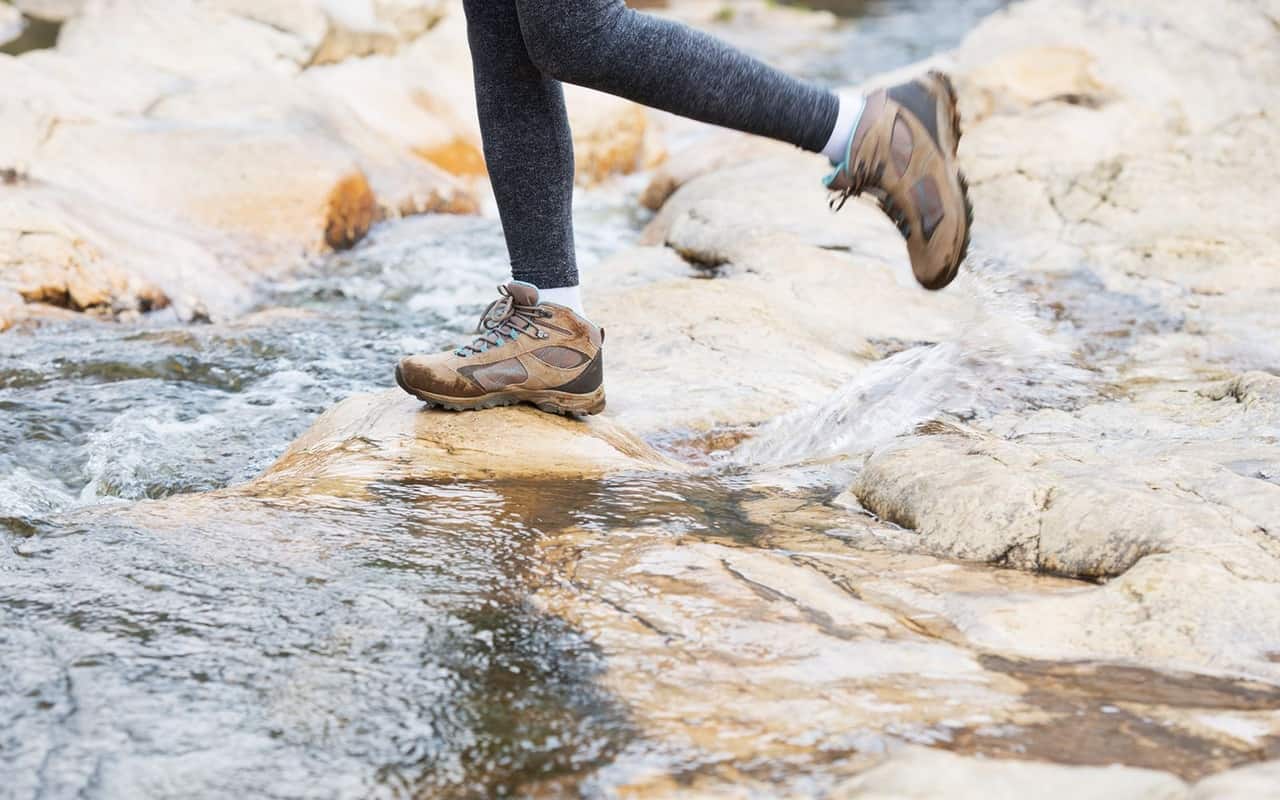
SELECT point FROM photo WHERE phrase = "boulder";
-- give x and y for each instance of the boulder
(11, 24)
(1252, 782)
(124, 136)
(994, 500)
(193, 37)
(277, 189)
(50, 10)
(916, 773)
(72, 251)
(389, 436)
(717, 151)
(424, 101)
(123, 215)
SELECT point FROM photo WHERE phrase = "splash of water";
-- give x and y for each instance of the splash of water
(1001, 356)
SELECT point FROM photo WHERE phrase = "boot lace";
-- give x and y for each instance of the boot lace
(504, 320)
(864, 177)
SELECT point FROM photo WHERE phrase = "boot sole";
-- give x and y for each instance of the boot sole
(548, 400)
(956, 132)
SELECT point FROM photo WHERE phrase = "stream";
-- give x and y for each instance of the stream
(387, 646)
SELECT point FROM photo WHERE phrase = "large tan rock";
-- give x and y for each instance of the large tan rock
(51, 10)
(214, 153)
(185, 39)
(390, 436)
(278, 189)
(1253, 782)
(424, 101)
(1094, 517)
(118, 215)
(67, 249)
(11, 24)
(208, 39)
(402, 183)
(919, 774)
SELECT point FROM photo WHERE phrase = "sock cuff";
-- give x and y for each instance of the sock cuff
(850, 114)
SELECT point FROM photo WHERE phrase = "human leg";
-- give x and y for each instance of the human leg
(534, 344)
(604, 45)
(899, 145)
(528, 148)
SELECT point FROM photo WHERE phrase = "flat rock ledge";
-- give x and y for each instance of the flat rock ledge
(388, 436)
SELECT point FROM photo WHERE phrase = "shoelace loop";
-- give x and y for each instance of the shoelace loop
(504, 319)
(862, 175)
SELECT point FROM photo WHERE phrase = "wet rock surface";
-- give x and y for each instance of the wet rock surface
(834, 534)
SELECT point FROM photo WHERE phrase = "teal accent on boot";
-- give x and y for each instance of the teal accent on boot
(854, 121)
(843, 166)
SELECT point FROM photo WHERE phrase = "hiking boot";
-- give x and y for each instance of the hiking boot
(528, 352)
(904, 154)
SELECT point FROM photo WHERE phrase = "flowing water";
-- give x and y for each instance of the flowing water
(220, 645)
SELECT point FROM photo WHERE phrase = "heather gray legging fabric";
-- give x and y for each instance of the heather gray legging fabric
(521, 51)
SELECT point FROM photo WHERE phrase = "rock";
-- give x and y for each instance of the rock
(389, 436)
(11, 24)
(288, 194)
(69, 250)
(997, 501)
(792, 301)
(1253, 782)
(916, 772)
(1019, 80)
(367, 27)
(611, 136)
(732, 654)
(778, 638)
(224, 208)
(50, 10)
(246, 170)
(1174, 516)
(182, 39)
(1147, 140)
(424, 101)
(402, 184)
(1254, 390)
(261, 35)
(716, 152)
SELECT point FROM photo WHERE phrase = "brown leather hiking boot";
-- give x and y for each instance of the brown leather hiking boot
(904, 154)
(528, 352)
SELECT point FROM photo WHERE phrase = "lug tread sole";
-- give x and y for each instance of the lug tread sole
(549, 406)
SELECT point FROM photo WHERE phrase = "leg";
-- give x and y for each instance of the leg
(528, 351)
(527, 146)
(899, 143)
(604, 45)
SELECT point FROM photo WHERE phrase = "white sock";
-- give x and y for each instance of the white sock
(846, 123)
(568, 296)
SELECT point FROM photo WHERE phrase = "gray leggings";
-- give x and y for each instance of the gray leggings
(521, 51)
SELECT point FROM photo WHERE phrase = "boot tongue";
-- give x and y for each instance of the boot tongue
(524, 294)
